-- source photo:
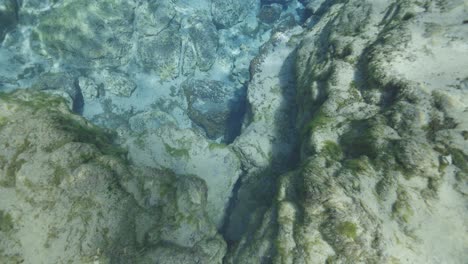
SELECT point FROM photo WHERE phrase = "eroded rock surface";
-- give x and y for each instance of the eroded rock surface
(69, 196)
(353, 148)
(382, 149)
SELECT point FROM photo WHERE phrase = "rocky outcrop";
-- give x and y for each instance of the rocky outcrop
(382, 148)
(68, 195)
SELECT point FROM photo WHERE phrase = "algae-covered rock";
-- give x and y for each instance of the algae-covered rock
(62, 84)
(375, 184)
(68, 194)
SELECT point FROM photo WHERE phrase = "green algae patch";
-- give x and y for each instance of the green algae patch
(401, 209)
(214, 145)
(357, 166)
(459, 159)
(6, 222)
(332, 150)
(176, 152)
(348, 229)
(34, 100)
(15, 165)
(3, 121)
(59, 175)
(88, 133)
(319, 120)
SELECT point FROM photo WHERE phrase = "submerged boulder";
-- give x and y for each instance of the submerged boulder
(68, 195)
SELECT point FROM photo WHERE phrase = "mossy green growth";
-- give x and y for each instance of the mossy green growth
(140, 141)
(357, 166)
(15, 165)
(6, 222)
(459, 159)
(401, 208)
(3, 162)
(348, 229)
(3, 121)
(465, 135)
(360, 140)
(176, 152)
(319, 120)
(87, 133)
(214, 145)
(38, 101)
(59, 175)
(332, 150)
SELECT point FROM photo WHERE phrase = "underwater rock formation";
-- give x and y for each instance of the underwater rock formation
(69, 196)
(383, 157)
(256, 131)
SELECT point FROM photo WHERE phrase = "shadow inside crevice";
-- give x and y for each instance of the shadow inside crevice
(254, 193)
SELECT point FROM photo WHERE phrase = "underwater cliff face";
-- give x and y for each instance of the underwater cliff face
(299, 131)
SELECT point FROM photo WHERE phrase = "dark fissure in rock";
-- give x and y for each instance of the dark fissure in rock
(236, 116)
